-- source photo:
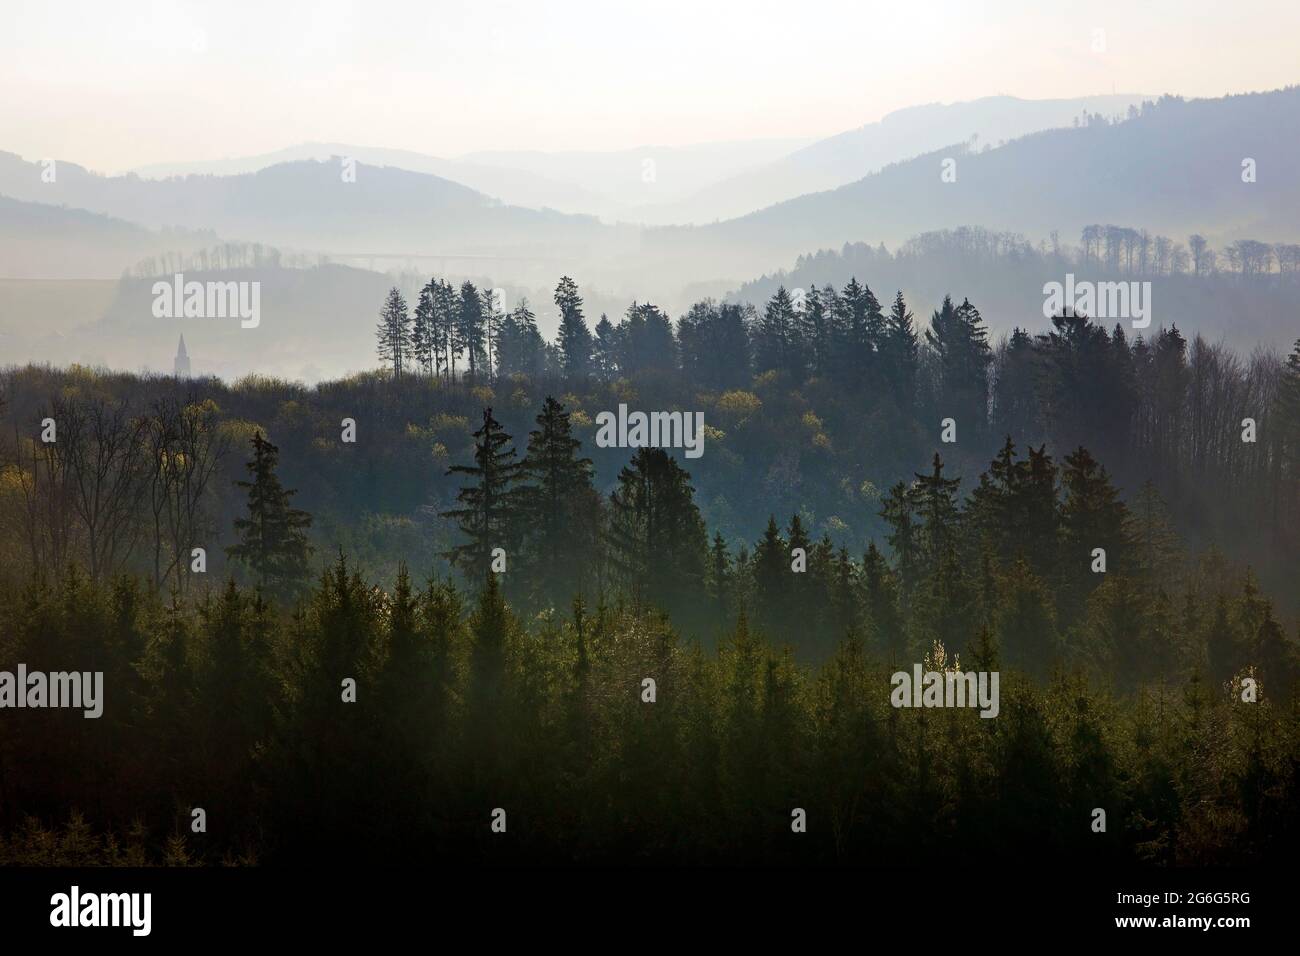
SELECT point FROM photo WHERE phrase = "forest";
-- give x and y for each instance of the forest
(306, 629)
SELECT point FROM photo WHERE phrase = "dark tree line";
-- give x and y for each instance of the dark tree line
(1154, 405)
(461, 705)
(1046, 561)
(392, 717)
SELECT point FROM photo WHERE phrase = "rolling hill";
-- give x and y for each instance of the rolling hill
(1175, 168)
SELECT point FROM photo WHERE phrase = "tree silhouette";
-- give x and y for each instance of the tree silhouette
(489, 512)
(273, 540)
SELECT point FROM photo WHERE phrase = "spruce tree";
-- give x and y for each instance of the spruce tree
(898, 509)
(901, 354)
(1016, 410)
(777, 344)
(424, 329)
(1158, 549)
(720, 581)
(394, 333)
(1092, 516)
(471, 327)
(560, 506)
(273, 537)
(605, 350)
(489, 512)
(936, 505)
(657, 537)
(880, 602)
(447, 338)
(574, 336)
(772, 580)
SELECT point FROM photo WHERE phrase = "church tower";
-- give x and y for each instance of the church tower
(182, 367)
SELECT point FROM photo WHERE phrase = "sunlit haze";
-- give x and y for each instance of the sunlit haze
(113, 86)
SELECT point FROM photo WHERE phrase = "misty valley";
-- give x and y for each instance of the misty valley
(557, 437)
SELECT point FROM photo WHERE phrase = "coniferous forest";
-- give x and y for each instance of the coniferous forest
(387, 612)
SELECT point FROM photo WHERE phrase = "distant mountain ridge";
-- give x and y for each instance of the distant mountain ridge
(42, 241)
(319, 205)
(900, 135)
(1178, 167)
(611, 184)
(510, 186)
(703, 182)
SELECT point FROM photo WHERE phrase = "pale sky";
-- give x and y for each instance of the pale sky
(113, 85)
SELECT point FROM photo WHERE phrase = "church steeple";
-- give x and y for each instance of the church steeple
(181, 368)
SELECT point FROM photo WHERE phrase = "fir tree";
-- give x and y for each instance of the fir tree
(471, 331)
(394, 333)
(560, 506)
(657, 536)
(605, 350)
(574, 336)
(489, 510)
(273, 537)
(777, 344)
(424, 329)
(720, 581)
(900, 354)
(772, 580)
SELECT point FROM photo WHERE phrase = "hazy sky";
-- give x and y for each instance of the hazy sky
(117, 84)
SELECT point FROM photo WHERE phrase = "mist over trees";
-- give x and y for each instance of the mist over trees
(829, 535)
(527, 688)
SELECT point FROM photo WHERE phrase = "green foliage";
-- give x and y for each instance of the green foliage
(462, 707)
(273, 537)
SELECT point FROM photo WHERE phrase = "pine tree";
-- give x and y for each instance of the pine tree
(560, 506)
(471, 328)
(605, 350)
(864, 336)
(936, 505)
(772, 580)
(720, 582)
(713, 341)
(843, 597)
(521, 350)
(777, 345)
(813, 322)
(1158, 549)
(492, 317)
(574, 337)
(394, 333)
(645, 341)
(1025, 621)
(1016, 409)
(901, 354)
(1092, 516)
(489, 512)
(898, 509)
(958, 336)
(490, 629)
(884, 623)
(802, 601)
(1040, 514)
(657, 537)
(424, 329)
(991, 513)
(446, 331)
(273, 538)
